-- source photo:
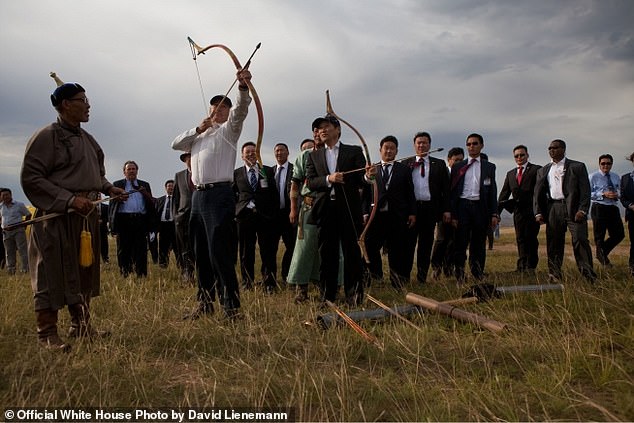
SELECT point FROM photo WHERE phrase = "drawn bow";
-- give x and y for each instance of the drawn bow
(198, 50)
(368, 160)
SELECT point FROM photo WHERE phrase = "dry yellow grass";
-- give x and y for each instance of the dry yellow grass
(565, 355)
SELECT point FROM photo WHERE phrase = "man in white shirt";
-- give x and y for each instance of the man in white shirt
(473, 208)
(166, 228)
(561, 201)
(12, 212)
(213, 147)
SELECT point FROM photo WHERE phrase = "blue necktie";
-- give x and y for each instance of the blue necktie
(610, 184)
(253, 179)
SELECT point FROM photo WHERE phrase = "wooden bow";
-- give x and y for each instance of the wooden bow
(368, 160)
(198, 50)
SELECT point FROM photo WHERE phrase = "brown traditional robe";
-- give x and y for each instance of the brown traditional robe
(61, 161)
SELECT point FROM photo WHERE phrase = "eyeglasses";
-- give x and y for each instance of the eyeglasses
(605, 164)
(517, 156)
(83, 99)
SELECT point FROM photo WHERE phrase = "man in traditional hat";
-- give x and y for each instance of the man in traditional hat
(63, 172)
(213, 147)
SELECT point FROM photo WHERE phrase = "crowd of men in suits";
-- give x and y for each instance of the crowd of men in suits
(417, 210)
(330, 208)
(428, 212)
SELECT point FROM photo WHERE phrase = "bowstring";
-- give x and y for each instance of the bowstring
(200, 82)
(202, 92)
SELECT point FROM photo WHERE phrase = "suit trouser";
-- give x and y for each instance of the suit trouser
(183, 247)
(388, 231)
(526, 232)
(630, 229)
(423, 234)
(557, 224)
(473, 224)
(336, 228)
(283, 228)
(606, 219)
(132, 243)
(103, 233)
(166, 235)
(214, 238)
(252, 227)
(15, 241)
(442, 255)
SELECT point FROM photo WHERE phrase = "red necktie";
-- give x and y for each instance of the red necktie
(461, 173)
(520, 172)
(190, 182)
(422, 168)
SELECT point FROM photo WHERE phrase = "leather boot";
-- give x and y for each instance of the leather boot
(80, 326)
(47, 331)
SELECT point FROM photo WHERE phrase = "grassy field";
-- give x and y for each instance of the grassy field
(565, 356)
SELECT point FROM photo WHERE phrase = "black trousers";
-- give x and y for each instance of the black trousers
(103, 233)
(472, 229)
(526, 232)
(443, 251)
(335, 229)
(283, 229)
(252, 227)
(132, 243)
(630, 229)
(184, 249)
(423, 235)
(166, 242)
(606, 219)
(390, 233)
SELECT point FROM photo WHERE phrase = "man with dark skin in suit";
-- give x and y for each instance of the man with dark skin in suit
(561, 201)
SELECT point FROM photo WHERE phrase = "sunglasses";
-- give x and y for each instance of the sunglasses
(605, 163)
(84, 99)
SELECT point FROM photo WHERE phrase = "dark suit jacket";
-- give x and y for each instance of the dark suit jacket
(287, 184)
(438, 185)
(160, 204)
(399, 194)
(627, 195)
(350, 158)
(576, 188)
(181, 197)
(266, 198)
(150, 205)
(523, 193)
(488, 188)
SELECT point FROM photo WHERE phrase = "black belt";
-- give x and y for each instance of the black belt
(204, 187)
(557, 201)
(470, 201)
(131, 215)
(423, 202)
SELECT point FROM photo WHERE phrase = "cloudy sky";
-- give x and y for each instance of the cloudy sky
(514, 71)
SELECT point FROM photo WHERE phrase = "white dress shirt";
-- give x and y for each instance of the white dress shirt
(213, 153)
